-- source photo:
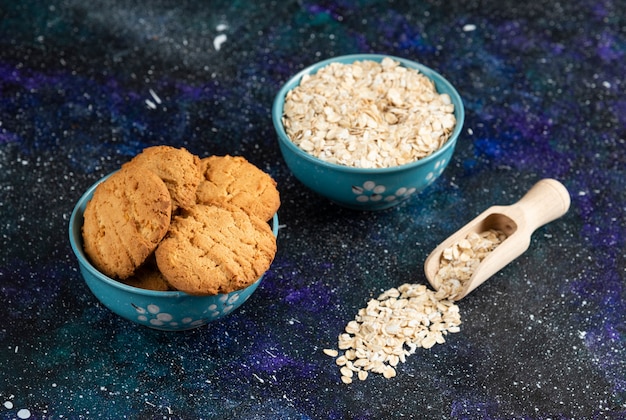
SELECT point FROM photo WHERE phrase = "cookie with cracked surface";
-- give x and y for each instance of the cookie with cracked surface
(215, 249)
(234, 180)
(178, 168)
(125, 220)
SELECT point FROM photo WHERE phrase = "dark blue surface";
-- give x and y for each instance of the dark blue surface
(543, 86)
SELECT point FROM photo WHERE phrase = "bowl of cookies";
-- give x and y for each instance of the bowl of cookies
(367, 131)
(172, 241)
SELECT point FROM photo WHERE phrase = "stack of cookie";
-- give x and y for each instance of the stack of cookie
(168, 220)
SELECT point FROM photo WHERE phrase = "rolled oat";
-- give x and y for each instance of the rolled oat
(403, 319)
(394, 326)
(459, 261)
(368, 114)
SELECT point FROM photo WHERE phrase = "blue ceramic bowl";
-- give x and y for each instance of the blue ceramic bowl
(360, 188)
(170, 311)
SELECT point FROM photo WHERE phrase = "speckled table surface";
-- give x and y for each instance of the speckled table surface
(543, 89)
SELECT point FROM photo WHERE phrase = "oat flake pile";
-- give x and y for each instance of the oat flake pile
(368, 114)
(398, 322)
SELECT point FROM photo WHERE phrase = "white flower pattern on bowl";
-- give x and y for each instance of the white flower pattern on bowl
(371, 192)
(152, 316)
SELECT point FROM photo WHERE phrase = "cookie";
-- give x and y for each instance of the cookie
(125, 220)
(178, 168)
(212, 249)
(148, 277)
(234, 180)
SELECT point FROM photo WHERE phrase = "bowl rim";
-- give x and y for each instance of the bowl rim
(76, 240)
(293, 81)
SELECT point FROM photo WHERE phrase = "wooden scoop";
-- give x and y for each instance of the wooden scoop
(546, 201)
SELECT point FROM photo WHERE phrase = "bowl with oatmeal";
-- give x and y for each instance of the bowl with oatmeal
(367, 131)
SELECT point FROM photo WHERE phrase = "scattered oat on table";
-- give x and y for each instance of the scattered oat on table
(392, 327)
(398, 322)
(368, 114)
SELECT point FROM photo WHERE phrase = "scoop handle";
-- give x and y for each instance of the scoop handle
(546, 201)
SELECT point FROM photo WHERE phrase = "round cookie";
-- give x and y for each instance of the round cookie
(124, 221)
(212, 249)
(234, 180)
(178, 168)
(148, 277)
